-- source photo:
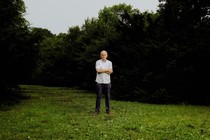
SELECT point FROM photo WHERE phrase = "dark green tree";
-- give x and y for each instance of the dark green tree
(183, 24)
(13, 44)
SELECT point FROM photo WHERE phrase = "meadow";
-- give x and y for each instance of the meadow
(61, 113)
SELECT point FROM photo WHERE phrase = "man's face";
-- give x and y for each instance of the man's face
(103, 55)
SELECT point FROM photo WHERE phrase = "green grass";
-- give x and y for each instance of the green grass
(56, 113)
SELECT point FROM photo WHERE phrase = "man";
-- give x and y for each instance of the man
(103, 81)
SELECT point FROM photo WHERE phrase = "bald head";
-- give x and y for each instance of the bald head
(103, 52)
(104, 55)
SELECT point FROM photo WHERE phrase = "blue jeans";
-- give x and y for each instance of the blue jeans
(103, 88)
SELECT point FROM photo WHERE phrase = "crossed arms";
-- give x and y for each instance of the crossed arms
(107, 71)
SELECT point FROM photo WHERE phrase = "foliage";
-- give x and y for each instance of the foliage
(14, 39)
(183, 22)
(157, 57)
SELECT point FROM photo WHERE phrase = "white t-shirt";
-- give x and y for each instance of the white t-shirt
(103, 78)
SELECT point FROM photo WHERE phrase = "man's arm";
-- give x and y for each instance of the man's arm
(108, 71)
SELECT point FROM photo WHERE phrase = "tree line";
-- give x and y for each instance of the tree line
(158, 57)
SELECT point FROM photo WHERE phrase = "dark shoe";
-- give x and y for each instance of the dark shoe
(109, 113)
(95, 113)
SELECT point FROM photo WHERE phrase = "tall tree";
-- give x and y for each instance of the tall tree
(186, 29)
(13, 37)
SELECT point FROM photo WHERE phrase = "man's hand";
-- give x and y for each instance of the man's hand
(108, 71)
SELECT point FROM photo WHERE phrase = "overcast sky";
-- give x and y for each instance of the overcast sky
(58, 15)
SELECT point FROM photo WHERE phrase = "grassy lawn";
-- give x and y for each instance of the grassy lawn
(56, 113)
